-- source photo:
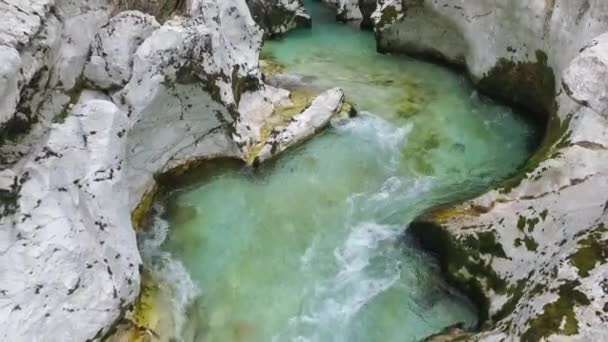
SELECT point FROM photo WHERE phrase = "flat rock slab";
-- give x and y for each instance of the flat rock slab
(303, 125)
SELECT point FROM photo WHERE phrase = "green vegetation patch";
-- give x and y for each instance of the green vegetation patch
(461, 263)
(592, 251)
(557, 317)
(389, 16)
(527, 84)
(486, 243)
(531, 245)
(515, 293)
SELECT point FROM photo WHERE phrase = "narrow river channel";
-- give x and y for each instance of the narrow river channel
(311, 247)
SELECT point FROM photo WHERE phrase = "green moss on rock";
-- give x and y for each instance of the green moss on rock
(557, 317)
(543, 214)
(521, 223)
(461, 263)
(486, 243)
(593, 251)
(528, 84)
(389, 16)
(531, 245)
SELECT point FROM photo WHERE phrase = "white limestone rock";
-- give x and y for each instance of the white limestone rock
(115, 44)
(585, 78)
(81, 20)
(9, 82)
(354, 10)
(69, 265)
(304, 125)
(558, 28)
(196, 87)
(26, 33)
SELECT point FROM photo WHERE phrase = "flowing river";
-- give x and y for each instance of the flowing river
(311, 247)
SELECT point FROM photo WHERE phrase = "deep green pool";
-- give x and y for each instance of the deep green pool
(311, 248)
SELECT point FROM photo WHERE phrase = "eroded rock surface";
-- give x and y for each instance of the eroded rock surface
(115, 44)
(161, 9)
(66, 262)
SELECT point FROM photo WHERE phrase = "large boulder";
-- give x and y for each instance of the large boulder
(585, 78)
(115, 44)
(38, 36)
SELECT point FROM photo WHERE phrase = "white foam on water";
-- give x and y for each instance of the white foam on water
(377, 131)
(308, 255)
(334, 302)
(172, 277)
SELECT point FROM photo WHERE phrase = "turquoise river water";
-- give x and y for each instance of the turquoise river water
(312, 247)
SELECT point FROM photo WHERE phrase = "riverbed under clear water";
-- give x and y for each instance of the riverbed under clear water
(311, 247)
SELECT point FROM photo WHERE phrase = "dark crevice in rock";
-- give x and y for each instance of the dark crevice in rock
(161, 9)
(452, 258)
(530, 85)
(367, 8)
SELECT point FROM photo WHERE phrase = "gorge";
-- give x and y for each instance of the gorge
(105, 113)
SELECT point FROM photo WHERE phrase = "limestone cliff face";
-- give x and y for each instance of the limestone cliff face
(94, 103)
(534, 251)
